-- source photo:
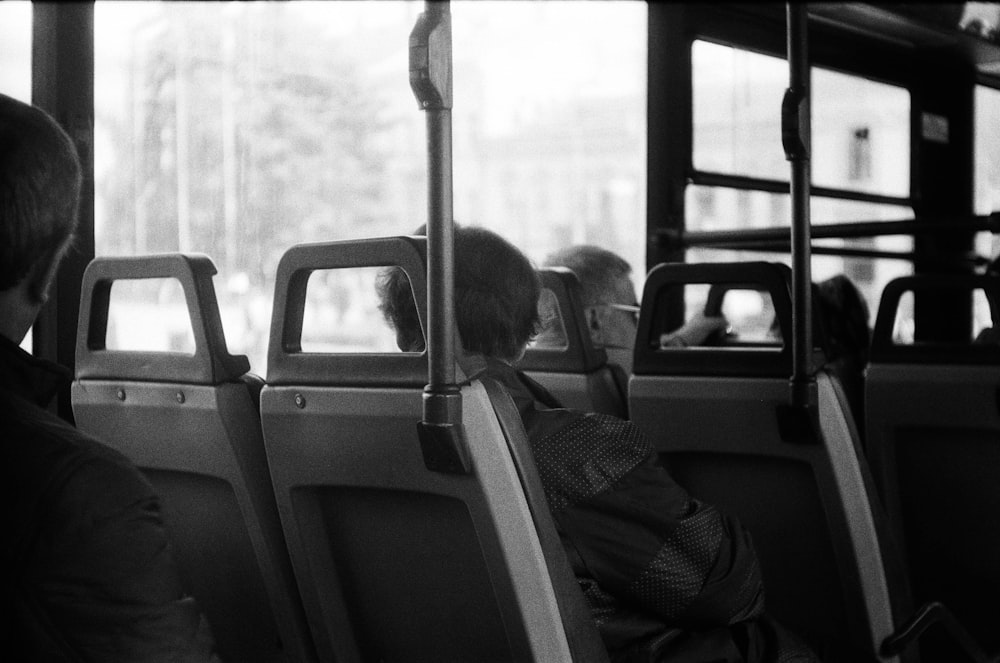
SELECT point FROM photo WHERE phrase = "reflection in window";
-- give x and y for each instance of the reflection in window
(241, 129)
(342, 313)
(149, 315)
(15, 56)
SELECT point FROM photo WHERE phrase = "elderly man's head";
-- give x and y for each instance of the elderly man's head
(40, 179)
(496, 297)
(608, 294)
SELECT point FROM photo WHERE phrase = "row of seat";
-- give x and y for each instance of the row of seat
(310, 527)
(313, 528)
(831, 551)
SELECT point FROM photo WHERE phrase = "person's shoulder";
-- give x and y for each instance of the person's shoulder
(45, 455)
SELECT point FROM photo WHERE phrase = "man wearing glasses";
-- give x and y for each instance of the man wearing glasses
(611, 307)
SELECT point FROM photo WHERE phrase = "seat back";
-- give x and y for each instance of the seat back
(933, 420)
(395, 561)
(721, 420)
(564, 360)
(189, 422)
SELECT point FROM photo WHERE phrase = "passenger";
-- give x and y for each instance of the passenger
(89, 573)
(612, 309)
(667, 577)
(844, 314)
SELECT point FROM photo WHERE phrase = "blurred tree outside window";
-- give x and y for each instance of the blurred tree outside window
(240, 129)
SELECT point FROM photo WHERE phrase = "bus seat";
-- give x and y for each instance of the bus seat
(564, 360)
(933, 421)
(190, 423)
(720, 419)
(397, 562)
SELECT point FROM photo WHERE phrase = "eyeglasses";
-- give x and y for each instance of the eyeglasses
(632, 309)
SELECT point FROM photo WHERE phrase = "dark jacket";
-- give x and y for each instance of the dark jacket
(88, 571)
(667, 577)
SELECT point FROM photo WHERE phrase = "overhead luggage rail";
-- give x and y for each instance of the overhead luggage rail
(191, 423)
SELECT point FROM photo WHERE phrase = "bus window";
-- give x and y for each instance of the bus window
(987, 163)
(240, 129)
(15, 56)
(342, 314)
(15, 66)
(861, 134)
(149, 315)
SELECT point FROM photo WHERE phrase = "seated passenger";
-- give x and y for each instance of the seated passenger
(844, 313)
(90, 576)
(667, 577)
(612, 309)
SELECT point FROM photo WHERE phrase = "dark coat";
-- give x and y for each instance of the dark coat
(88, 571)
(667, 577)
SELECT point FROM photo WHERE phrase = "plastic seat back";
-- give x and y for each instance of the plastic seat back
(721, 420)
(190, 423)
(396, 561)
(564, 360)
(933, 440)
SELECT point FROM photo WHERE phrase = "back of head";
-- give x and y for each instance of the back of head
(496, 296)
(845, 315)
(599, 271)
(40, 179)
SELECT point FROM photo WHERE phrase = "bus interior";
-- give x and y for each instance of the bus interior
(250, 167)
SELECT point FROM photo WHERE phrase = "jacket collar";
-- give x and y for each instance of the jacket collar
(29, 377)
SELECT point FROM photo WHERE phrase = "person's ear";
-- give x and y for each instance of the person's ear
(595, 324)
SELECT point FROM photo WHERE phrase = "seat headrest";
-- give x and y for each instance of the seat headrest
(951, 287)
(564, 345)
(288, 364)
(664, 292)
(211, 362)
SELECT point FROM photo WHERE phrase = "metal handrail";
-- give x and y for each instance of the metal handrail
(796, 139)
(441, 435)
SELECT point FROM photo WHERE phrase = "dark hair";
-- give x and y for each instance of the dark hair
(40, 179)
(496, 296)
(845, 315)
(597, 269)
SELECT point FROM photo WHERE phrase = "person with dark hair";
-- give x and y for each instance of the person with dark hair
(844, 315)
(89, 572)
(667, 577)
(612, 309)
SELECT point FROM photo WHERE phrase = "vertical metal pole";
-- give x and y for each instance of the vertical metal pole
(796, 137)
(441, 435)
(440, 229)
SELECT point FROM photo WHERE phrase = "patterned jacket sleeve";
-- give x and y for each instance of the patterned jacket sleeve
(638, 534)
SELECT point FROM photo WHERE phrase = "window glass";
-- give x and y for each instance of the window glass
(553, 330)
(149, 315)
(987, 178)
(861, 133)
(342, 313)
(736, 111)
(241, 129)
(15, 65)
(15, 56)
